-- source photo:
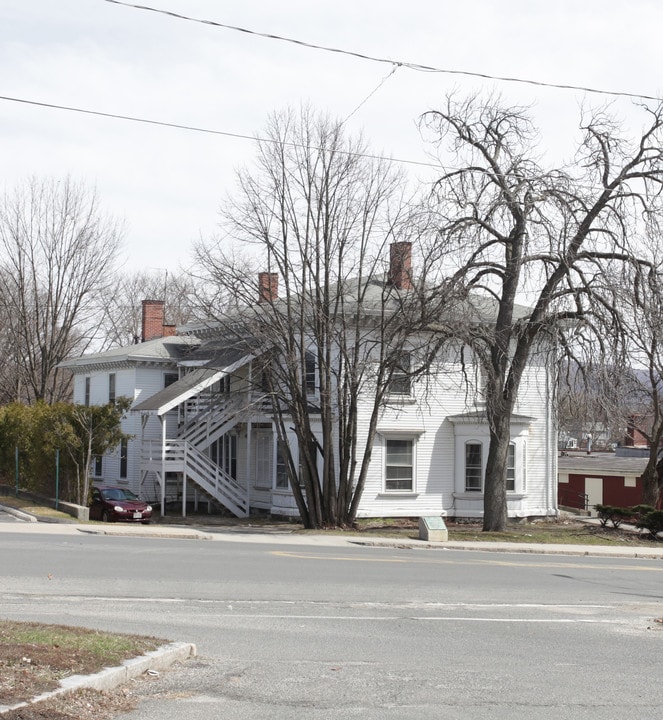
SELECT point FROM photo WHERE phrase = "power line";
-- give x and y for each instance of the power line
(210, 131)
(370, 94)
(372, 58)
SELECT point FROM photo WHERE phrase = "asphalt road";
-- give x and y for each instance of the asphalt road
(294, 631)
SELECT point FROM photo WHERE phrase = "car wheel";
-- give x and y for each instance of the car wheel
(105, 517)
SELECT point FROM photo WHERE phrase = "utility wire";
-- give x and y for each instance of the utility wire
(411, 65)
(370, 94)
(210, 131)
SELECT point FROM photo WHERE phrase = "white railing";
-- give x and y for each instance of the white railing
(181, 456)
(220, 417)
(206, 427)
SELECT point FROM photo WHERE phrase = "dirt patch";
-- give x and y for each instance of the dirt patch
(82, 705)
(28, 669)
(35, 657)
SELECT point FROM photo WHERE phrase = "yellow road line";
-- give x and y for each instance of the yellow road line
(465, 561)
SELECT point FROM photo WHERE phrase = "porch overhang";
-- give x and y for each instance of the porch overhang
(191, 384)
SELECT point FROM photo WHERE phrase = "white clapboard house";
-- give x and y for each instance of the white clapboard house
(202, 431)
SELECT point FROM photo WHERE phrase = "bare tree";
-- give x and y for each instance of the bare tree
(592, 395)
(318, 218)
(58, 253)
(524, 233)
(641, 296)
(122, 316)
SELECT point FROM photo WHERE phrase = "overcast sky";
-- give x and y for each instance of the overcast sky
(167, 184)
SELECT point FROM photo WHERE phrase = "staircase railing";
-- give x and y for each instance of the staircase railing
(219, 417)
(182, 456)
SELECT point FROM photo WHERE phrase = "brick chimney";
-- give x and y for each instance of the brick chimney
(268, 287)
(153, 321)
(400, 265)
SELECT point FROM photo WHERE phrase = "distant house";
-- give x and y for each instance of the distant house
(135, 371)
(585, 481)
(202, 430)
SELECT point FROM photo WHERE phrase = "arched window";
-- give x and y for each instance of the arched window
(473, 466)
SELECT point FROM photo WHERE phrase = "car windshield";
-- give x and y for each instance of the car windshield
(118, 494)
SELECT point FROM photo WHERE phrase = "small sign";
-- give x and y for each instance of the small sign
(433, 529)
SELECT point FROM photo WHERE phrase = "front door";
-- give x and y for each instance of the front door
(264, 449)
(594, 492)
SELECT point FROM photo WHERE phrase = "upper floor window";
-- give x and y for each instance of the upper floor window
(111, 387)
(310, 372)
(97, 466)
(169, 379)
(401, 383)
(87, 391)
(473, 467)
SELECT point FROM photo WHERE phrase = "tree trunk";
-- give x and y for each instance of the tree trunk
(649, 480)
(495, 514)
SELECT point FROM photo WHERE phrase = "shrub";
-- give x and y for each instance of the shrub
(639, 511)
(615, 515)
(652, 521)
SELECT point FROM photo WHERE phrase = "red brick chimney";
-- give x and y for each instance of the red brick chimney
(153, 321)
(268, 287)
(400, 265)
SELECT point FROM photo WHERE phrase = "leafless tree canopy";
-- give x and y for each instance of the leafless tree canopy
(318, 220)
(123, 311)
(57, 257)
(639, 288)
(522, 233)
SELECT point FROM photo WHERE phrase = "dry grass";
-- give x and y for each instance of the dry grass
(568, 531)
(30, 506)
(35, 657)
(558, 532)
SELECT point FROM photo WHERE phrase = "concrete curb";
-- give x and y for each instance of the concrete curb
(110, 678)
(29, 517)
(130, 531)
(607, 551)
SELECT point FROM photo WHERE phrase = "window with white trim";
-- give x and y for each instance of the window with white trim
(87, 391)
(473, 466)
(111, 387)
(511, 468)
(229, 454)
(281, 479)
(304, 472)
(310, 374)
(169, 378)
(399, 465)
(400, 384)
(97, 466)
(124, 458)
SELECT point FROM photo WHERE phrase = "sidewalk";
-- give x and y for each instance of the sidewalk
(282, 536)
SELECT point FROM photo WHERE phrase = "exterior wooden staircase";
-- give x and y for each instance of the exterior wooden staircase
(207, 419)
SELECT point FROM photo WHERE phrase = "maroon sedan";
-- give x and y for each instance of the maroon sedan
(115, 503)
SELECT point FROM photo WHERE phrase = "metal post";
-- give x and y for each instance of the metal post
(16, 466)
(57, 479)
(249, 444)
(184, 476)
(162, 419)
